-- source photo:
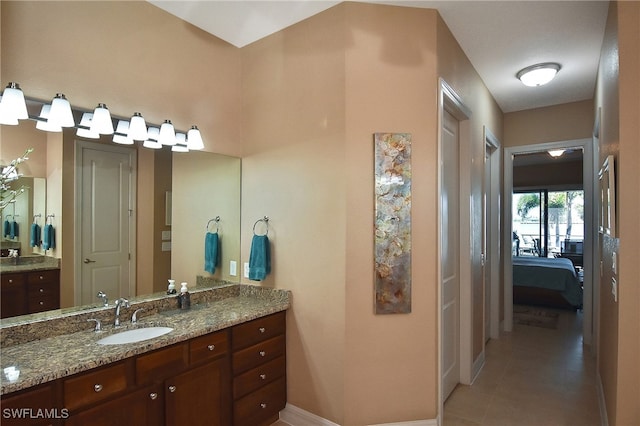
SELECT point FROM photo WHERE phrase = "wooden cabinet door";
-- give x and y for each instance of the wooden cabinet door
(142, 407)
(13, 297)
(199, 397)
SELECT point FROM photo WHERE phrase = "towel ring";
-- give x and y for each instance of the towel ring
(266, 222)
(217, 222)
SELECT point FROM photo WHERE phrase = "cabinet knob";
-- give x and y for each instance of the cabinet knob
(42, 290)
(153, 395)
(41, 277)
(41, 303)
(263, 405)
(262, 353)
(262, 329)
(10, 280)
(263, 376)
(211, 347)
(97, 387)
(172, 389)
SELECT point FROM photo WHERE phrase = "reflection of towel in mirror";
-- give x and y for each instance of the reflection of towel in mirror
(6, 228)
(35, 235)
(48, 237)
(13, 230)
(211, 252)
(259, 258)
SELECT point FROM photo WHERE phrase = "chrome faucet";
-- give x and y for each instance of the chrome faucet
(103, 296)
(119, 303)
(134, 317)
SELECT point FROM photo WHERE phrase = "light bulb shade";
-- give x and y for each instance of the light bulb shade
(43, 122)
(194, 139)
(121, 135)
(152, 139)
(101, 122)
(60, 113)
(138, 127)
(167, 134)
(13, 106)
(84, 129)
(539, 74)
(181, 143)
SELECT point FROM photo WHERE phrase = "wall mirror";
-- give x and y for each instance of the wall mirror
(202, 185)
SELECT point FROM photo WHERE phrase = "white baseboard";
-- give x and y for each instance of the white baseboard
(477, 366)
(298, 417)
(604, 419)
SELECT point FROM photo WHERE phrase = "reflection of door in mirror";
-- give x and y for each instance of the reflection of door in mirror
(106, 223)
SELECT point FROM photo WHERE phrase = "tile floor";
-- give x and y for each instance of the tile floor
(532, 377)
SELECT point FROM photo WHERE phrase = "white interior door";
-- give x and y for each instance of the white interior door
(450, 223)
(486, 230)
(105, 215)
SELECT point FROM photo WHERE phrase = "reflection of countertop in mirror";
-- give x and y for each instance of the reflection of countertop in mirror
(61, 355)
(29, 263)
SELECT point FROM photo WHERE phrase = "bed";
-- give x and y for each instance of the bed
(545, 281)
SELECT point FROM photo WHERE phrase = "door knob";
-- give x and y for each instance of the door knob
(87, 260)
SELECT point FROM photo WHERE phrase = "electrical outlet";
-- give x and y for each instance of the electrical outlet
(614, 289)
(233, 268)
(246, 269)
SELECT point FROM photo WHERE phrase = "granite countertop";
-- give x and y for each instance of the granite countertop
(51, 358)
(28, 264)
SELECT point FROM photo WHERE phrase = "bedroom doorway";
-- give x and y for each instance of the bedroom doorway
(587, 185)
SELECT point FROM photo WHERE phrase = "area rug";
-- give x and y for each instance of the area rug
(535, 316)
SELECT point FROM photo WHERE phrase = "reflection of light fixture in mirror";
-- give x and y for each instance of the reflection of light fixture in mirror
(84, 129)
(152, 138)
(194, 139)
(101, 122)
(43, 123)
(12, 105)
(121, 134)
(167, 134)
(539, 74)
(60, 112)
(137, 127)
(181, 143)
(555, 153)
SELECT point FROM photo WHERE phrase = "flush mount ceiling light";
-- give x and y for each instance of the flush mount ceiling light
(555, 153)
(539, 74)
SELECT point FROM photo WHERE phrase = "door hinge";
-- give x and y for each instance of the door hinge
(129, 254)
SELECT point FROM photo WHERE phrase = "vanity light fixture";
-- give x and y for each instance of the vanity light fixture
(43, 122)
(13, 106)
(84, 129)
(121, 135)
(137, 127)
(60, 112)
(167, 134)
(101, 122)
(181, 143)
(194, 139)
(555, 153)
(539, 74)
(152, 139)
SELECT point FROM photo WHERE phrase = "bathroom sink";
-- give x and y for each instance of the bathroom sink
(135, 335)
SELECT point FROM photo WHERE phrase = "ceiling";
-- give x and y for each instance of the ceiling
(498, 37)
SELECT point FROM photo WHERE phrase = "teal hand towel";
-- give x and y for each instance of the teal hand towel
(49, 237)
(211, 252)
(35, 235)
(259, 258)
(13, 231)
(6, 229)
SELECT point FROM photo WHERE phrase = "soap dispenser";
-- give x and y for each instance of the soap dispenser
(171, 289)
(184, 299)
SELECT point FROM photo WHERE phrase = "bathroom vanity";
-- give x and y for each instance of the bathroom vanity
(224, 363)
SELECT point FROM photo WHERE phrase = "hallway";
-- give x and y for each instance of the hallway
(532, 377)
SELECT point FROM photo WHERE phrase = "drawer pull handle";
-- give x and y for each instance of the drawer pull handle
(97, 387)
(153, 395)
(263, 376)
(211, 347)
(263, 353)
(263, 405)
(172, 389)
(262, 329)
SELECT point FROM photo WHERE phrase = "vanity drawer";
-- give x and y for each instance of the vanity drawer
(261, 405)
(39, 277)
(162, 363)
(95, 386)
(39, 304)
(208, 346)
(258, 354)
(254, 379)
(260, 329)
(9, 279)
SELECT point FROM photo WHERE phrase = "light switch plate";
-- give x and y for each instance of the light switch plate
(233, 268)
(166, 246)
(166, 235)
